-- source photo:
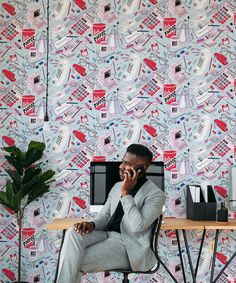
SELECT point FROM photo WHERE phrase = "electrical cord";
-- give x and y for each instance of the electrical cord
(46, 117)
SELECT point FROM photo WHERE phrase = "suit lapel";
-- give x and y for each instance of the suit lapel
(114, 203)
(140, 194)
(137, 198)
(115, 200)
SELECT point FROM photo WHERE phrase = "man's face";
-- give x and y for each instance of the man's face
(131, 160)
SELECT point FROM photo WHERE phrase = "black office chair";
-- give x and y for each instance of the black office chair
(154, 239)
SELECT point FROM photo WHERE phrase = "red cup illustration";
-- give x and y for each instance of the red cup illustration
(170, 93)
(99, 32)
(28, 238)
(28, 39)
(170, 159)
(28, 104)
(99, 98)
(170, 27)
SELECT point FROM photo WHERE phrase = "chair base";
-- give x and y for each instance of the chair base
(125, 279)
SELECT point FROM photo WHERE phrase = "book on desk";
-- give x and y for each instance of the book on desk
(201, 203)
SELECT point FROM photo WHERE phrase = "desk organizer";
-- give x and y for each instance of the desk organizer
(205, 211)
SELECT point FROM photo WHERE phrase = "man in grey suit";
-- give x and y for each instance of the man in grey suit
(119, 236)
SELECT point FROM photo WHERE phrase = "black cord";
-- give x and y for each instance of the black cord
(46, 117)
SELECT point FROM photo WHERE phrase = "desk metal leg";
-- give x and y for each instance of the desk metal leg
(180, 254)
(167, 270)
(189, 256)
(200, 252)
(62, 241)
(214, 255)
(223, 269)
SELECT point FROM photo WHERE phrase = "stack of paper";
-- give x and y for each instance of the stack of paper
(195, 193)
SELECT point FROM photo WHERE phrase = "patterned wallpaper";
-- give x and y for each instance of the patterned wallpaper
(161, 73)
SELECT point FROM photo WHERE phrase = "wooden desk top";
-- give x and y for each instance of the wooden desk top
(63, 223)
(230, 225)
(181, 223)
(169, 224)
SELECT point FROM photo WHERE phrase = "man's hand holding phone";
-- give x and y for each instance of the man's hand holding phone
(130, 179)
(84, 227)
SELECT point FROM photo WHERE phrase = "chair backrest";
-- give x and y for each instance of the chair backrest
(154, 238)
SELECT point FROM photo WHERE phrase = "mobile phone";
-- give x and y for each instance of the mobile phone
(60, 10)
(203, 128)
(140, 170)
(132, 68)
(203, 62)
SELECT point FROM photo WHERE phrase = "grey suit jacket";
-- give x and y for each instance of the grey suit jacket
(140, 212)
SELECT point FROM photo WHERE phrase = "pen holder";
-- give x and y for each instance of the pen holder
(222, 214)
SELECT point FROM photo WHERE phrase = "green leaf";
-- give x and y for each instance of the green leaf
(34, 152)
(15, 162)
(31, 156)
(13, 197)
(30, 173)
(39, 190)
(5, 200)
(29, 186)
(28, 182)
(40, 146)
(16, 178)
(15, 151)
(46, 175)
(9, 190)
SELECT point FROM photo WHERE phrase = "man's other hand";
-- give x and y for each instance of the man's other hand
(84, 227)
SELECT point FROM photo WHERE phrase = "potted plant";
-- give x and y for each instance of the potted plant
(27, 183)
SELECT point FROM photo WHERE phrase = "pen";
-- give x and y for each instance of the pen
(76, 36)
(147, 40)
(142, 30)
(76, 46)
(6, 51)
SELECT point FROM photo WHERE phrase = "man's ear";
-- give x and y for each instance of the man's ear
(146, 165)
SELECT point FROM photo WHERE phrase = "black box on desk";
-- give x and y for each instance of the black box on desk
(195, 210)
(210, 206)
(205, 211)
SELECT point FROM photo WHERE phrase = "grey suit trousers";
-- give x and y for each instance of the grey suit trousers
(93, 252)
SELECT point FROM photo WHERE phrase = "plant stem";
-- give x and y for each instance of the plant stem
(19, 220)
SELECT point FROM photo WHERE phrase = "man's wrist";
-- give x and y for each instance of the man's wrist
(124, 193)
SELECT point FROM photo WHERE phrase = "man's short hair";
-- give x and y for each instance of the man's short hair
(141, 151)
